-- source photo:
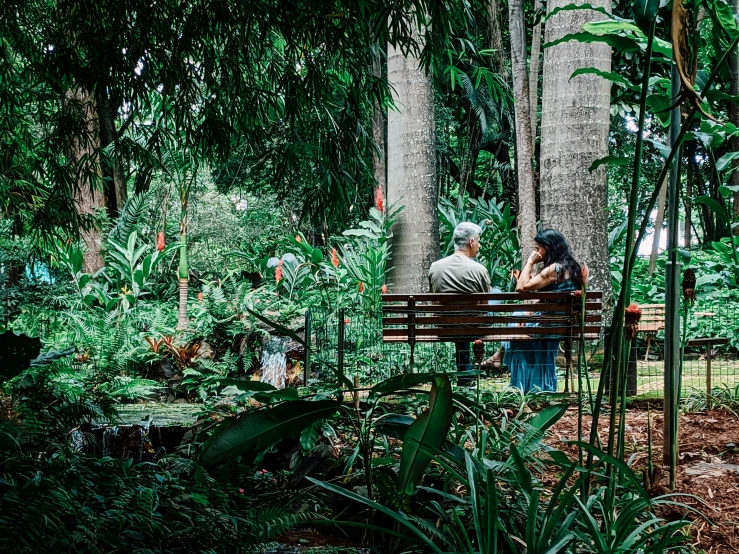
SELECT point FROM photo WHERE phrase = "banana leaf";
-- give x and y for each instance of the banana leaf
(253, 432)
(428, 432)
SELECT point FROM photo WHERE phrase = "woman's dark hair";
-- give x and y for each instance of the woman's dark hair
(558, 252)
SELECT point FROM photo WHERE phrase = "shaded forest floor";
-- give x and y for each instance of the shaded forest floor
(708, 467)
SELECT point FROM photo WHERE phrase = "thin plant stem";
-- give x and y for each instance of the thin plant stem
(617, 327)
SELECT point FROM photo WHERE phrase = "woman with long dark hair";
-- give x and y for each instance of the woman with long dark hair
(561, 271)
(532, 363)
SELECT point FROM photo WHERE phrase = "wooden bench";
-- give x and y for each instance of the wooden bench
(439, 317)
(653, 320)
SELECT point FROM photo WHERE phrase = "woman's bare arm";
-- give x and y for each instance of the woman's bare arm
(527, 283)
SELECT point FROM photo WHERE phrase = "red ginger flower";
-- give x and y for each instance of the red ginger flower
(278, 272)
(478, 349)
(631, 320)
(384, 289)
(633, 313)
(160, 242)
(298, 239)
(379, 200)
(200, 297)
(361, 286)
(334, 258)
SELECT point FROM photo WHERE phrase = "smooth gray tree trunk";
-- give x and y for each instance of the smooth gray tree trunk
(379, 166)
(574, 133)
(526, 213)
(534, 76)
(411, 173)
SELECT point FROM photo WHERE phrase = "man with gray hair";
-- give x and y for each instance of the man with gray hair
(460, 273)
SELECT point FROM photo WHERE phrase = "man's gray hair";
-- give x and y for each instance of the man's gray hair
(463, 233)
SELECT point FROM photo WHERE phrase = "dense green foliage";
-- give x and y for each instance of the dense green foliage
(240, 137)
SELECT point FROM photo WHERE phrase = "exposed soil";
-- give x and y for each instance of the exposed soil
(708, 467)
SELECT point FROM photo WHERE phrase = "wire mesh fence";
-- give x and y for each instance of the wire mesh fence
(710, 341)
(710, 353)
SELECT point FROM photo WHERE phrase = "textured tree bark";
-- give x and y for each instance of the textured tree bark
(379, 165)
(574, 132)
(500, 65)
(115, 191)
(495, 38)
(83, 153)
(734, 118)
(411, 174)
(534, 75)
(526, 213)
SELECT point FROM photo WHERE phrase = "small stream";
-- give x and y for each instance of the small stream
(274, 362)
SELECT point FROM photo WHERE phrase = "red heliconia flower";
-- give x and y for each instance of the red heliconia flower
(160, 242)
(361, 286)
(379, 200)
(298, 239)
(384, 289)
(200, 297)
(334, 258)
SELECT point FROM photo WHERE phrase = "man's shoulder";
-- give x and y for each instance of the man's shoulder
(439, 263)
(477, 266)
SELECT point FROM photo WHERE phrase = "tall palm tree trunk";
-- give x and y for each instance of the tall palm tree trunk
(411, 172)
(574, 133)
(526, 215)
(183, 278)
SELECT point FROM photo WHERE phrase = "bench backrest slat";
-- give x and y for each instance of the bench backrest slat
(463, 317)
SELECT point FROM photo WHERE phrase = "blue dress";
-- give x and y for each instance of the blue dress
(532, 362)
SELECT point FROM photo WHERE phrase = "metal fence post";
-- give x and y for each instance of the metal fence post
(308, 345)
(340, 349)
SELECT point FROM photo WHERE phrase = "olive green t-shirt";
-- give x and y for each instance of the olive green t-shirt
(458, 273)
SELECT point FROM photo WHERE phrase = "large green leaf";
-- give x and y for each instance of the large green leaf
(620, 34)
(396, 425)
(399, 517)
(571, 7)
(723, 162)
(257, 430)
(427, 433)
(608, 160)
(607, 75)
(645, 12)
(409, 380)
(715, 207)
(538, 425)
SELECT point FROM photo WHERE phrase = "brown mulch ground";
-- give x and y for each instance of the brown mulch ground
(706, 449)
